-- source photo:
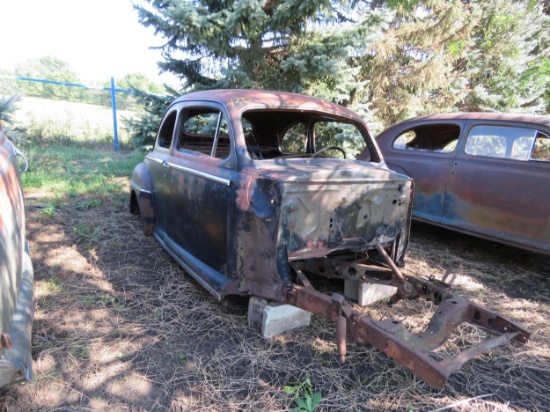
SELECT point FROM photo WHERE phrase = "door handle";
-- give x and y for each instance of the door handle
(165, 163)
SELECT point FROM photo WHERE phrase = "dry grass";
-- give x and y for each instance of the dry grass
(120, 327)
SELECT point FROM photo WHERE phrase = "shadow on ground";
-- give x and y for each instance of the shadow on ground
(119, 326)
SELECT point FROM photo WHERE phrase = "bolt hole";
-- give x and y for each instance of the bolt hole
(395, 322)
(453, 302)
(352, 271)
(394, 201)
(365, 217)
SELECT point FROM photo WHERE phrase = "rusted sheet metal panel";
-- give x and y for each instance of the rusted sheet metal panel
(485, 116)
(12, 222)
(499, 199)
(259, 218)
(237, 100)
(412, 350)
(319, 219)
(261, 264)
(502, 197)
(16, 273)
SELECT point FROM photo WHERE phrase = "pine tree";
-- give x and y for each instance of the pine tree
(387, 59)
(294, 45)
(456, 55)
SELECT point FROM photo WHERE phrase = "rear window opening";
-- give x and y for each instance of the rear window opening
(292, 134)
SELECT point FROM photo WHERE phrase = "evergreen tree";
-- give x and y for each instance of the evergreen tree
(387, 59)
(456, 55)
(294, 45)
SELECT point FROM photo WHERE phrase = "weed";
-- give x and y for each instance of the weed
(181, 357)
(84, 352)
(88, 204)
(51, 375)
(51, 287)
(83, 233)
(49, 210)
(303, 394)
(102, 300)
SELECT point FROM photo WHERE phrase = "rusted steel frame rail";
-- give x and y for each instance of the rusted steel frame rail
(392, 338)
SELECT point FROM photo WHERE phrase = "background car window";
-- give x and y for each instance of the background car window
(166, 131)
(521, 148)
(439, 138)
(199, 129)
(541, 148)
(500, 142)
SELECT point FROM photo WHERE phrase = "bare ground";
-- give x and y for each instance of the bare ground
(119, 326)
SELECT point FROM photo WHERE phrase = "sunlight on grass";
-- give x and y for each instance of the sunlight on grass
(70, 171)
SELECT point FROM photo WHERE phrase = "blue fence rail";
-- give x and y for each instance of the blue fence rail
(113, 90)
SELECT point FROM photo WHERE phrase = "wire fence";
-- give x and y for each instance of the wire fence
(112, 90)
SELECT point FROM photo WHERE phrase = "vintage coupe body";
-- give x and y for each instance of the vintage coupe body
(254, 191)
(485, 174)
(16, 273)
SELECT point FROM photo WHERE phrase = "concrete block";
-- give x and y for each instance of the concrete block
(275, 318)
(351, 289)
(365, 292)
(373, 292)
(256, 308)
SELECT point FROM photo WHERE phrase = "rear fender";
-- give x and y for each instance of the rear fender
(142, 196)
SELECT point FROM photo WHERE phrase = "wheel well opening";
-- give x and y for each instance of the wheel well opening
(134, 206)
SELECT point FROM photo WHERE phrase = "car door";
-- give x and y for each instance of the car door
(202, 168)
(425, 152)
(157, 164)
(500, 184)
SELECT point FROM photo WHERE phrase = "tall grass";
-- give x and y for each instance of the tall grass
(52, 121)
(69, 147)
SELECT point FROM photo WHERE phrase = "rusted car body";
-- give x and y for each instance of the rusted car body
(485, 174)
(252, 192)
(16, 273)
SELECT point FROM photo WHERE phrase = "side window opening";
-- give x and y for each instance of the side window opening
(541, 148)
(503, 142)
(431, 138)
(205, 131)
(166, 131)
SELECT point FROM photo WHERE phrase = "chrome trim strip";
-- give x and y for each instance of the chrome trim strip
(155, 159)
(138, 187)
(208, 176)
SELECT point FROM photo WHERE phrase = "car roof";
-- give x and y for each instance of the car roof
(237, 100)
(504, 117)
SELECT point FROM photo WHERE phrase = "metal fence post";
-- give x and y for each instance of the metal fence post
(113, 105)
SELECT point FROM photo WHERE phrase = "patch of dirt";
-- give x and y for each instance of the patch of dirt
(119, 326)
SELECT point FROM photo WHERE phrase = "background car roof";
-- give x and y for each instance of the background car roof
(505, 117)
(238, 99)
